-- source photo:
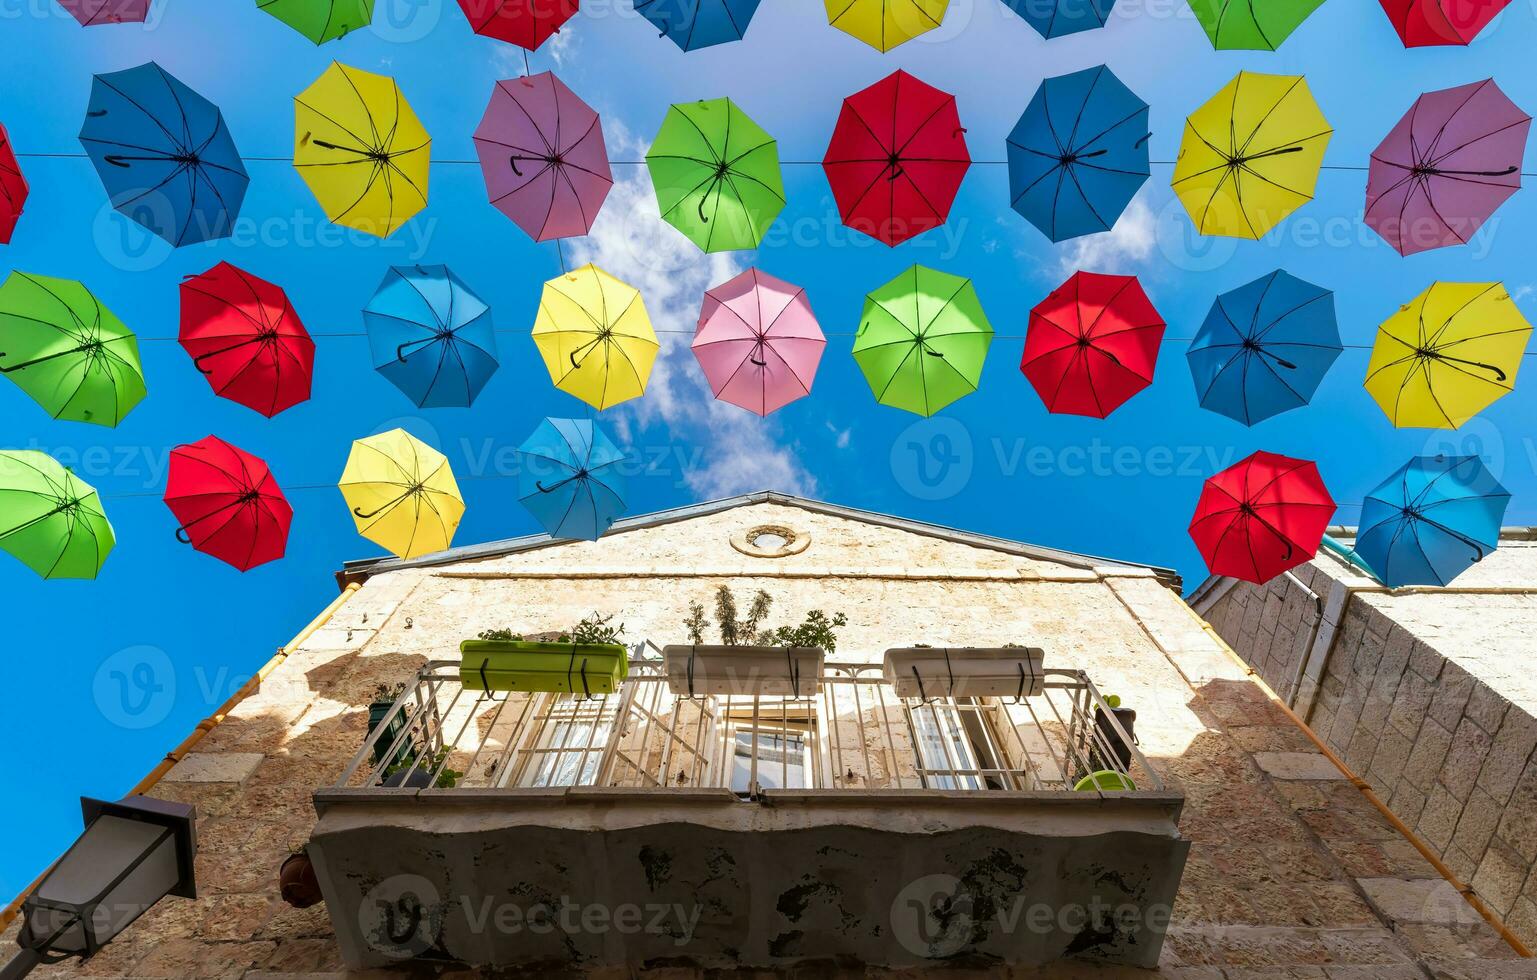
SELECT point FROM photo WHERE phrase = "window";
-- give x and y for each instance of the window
(784, 760)
(569, 746)
(954, 745)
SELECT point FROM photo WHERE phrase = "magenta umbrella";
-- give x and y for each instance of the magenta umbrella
(92, 12)
(542, 154)
(1444, 169)
(758, 342)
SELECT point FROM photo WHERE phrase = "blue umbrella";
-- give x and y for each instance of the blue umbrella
(1264, 348)
(1078, 154)
(1431, 520)
(164, 155)
(1054, 18)
(431, 336)
(699, 23)
(568, 478)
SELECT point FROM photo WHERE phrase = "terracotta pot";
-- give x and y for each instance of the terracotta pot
(297, 882)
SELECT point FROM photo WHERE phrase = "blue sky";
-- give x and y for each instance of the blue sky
(994, 462)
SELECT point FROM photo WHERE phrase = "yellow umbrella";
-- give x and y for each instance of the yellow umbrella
(361, 150)
(402, 494)
(1250, 156)
(1448, 355)
(595, 337)
(884, 24)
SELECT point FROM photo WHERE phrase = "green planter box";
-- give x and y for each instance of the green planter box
(517, 665)
(406, 753)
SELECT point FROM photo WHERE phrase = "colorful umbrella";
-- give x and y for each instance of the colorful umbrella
(1054, 18)
(1261, 517)
(1420, 23)
(92, 12)
(67, 351)
(361, 150)
(1444, 169)
(431, 336)
(1092, 344)
(228, 503)
(402, 494)
(526, 23)
(569, 478)
(1448, 355)
(50, 519)
(321, 20)
(1264, 348)
(1251, 25)
(164, 155)
(1250, 156)
(922, 340)
(246, 339)
(1430, 521)
(896, 158)
(543, 158)
(13, 189)
(1079, 154)
(884, 24)
(716, 175)
(595, 337)
(694, 24)
(758, 342)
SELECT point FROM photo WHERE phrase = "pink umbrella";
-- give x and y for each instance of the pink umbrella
(91, 12)
(1445, 168)
(542, 154)
(758, 342)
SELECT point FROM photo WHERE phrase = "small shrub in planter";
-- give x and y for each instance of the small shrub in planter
(590, 659)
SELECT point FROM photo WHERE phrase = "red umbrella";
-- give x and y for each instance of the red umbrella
(1092, 344)
(896, 158)
(246, 339)
(1427, 22)
(1261, 517)
(228, 503)
(13, 188)
(526, 23)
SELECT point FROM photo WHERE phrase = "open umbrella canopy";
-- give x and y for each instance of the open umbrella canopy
(716, 174)
(1055, 18)
(164, 155)
(13, 189)
(228, 503)
(1250, 156)
(896, 158)
(595, 337)
(758, 342)
(922, 340)
(1447, 355)
(92, 12)
(1251, 25)
(1264, 348)
(1078, 154)
(1431, 520)
(884, 24)
(402, 494)
(361, 149)
(526, 23)
(694, 24)
(431, 336)
(1444, 169)
(1421, 23)
(1262, 516)
(67, 351)
(245, 338)
(1092, 344)
(50, 520)
(321, 20)
(569, 479)
(543, 157)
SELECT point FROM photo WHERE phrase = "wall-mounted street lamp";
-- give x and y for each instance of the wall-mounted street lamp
(132, 854)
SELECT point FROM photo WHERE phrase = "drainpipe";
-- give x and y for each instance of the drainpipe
(1348, 555)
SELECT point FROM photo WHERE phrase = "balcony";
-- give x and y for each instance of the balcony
(853, 814)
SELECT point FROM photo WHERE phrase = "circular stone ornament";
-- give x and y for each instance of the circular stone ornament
(771, 541)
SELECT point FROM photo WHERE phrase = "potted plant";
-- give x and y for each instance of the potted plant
(924, 671)
(1128, 722)
(750, 659)
(297, 882)
(589, 659)
(402, 775)
(384, 699)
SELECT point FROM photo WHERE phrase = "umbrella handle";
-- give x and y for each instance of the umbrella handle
(182, 536)
(1138, 144)
(933, 353)
(758, 362)
(512, 161)
(197, 361)
(1285, 363)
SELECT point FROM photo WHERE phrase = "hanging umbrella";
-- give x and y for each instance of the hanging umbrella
(1079, 154)
(431, 336)
(543, 158)
(402, 494)
(1261, 517)
(896, 158)
(1250, 156)
(245, 338)
(922, 340)
(1251, 25)
(1448, 355)
(164, 155)
(227, 502)
(361, 150)
(758, 342)
(67, 351)
(1420, 23)
(694, 24)
(568, 478)
(1444, 169)
(50, 519)
(884, 24)
(595, 337)
(321, 20)
(13, 189)
(526, 23)
(92, 12)
(1264, 348)
(716, 175)
(1430, 521)
(1055, 18)
(1092, 344)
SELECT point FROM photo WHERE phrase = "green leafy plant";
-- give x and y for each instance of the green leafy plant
(818, 630)
(696, 623)
(1112, 701)
(735, 629)
(597, 629)
(504, 636)
(447, 779)
(388, 693)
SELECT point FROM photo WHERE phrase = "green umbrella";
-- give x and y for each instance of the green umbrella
(1251, 25)
(67, 351)
(716, 174)
(922, 340)
(49, 519)
(321, 20)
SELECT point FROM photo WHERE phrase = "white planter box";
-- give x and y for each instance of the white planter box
(699, 671)
(966, 672)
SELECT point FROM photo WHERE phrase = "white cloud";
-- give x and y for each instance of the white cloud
(1122, 250)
